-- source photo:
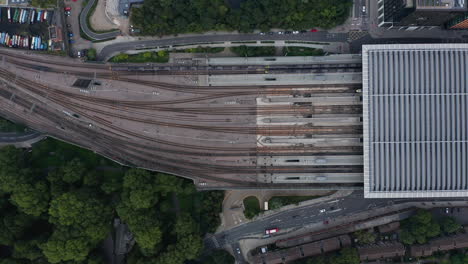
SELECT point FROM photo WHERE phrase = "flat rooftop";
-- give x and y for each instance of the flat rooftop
(415, 115)
(441, 4)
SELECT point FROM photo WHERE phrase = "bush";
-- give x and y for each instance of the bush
(246, 51)
(91, 55)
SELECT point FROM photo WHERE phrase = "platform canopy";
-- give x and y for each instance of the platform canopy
(415, 101)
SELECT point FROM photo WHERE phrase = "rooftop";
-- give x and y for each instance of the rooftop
(415, 113)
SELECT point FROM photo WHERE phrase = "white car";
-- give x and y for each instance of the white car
(363, 9)
(322, 210)
(295, 32)
(280, 32)
(238, 251)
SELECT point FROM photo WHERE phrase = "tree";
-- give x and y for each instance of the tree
(73, 171)
(27, 249)
(32, 199)
(406, 237)
(346, 256)
(144, 225)
(365, 237)
(218, 256)
(449, 225)
(64, 246)
(91, 55)
(419, 227)
(82, 211)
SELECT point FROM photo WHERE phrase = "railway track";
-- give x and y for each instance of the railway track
(184, 159)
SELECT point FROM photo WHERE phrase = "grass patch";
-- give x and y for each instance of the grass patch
(260, 51)
(276, 202)
(161, 56)
(243, 42)
(302, 51)
(251, 207)
(8, 126)
(54, 153)
(267, 41)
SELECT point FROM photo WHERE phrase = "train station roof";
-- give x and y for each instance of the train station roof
(415, 113)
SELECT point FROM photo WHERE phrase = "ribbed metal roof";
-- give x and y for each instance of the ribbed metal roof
(415, 120)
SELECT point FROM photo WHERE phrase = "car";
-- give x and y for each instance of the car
(262, 33)
(238, 251)
(280, 32)
(322, 211)
(447, 210)
(79, 54)
(67, 13)
(70, 34)
(288, 32)
(71, 41)
(68, 25)
(314, 30)
(67, 8)
(325, 222)
(271, 33)
(303, 31)
(271, 231)
(295, 32)
(363, 9)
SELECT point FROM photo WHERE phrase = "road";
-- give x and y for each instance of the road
(321, 36)
(12, 137)
(84, 25)
(300, 217)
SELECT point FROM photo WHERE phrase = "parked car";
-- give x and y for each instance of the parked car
(68, 25)
(67, 13)
(70, 34)
(71, 41)
(67, 8)
(288, 32)
(314, 30)
(322, 210)
(262, 33)
(280, 32)
(295, 32)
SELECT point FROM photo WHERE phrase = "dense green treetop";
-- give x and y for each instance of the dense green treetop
(162, 17)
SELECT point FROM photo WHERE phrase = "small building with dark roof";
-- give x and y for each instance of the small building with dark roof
(381, 251)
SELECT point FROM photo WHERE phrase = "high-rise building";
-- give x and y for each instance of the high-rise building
(414, 14)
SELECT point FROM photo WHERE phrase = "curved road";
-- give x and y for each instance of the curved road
(323, 36)
(13, 137)
(87, 31)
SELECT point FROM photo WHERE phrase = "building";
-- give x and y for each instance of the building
(460, 22)
(416, 14)
(439, 244)
(381, 251)
(125, 5)
(415, 115)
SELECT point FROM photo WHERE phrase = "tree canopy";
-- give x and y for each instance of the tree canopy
(59, 208)
(162, 17)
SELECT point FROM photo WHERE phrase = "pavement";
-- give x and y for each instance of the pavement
(22, 140)
(100, 18)
(85, 27)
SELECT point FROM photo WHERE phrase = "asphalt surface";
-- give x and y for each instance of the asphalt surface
(12, 137)
(85, 28)
(321, 36)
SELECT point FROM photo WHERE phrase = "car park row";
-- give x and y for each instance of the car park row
(26, 15)
(17, 41)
